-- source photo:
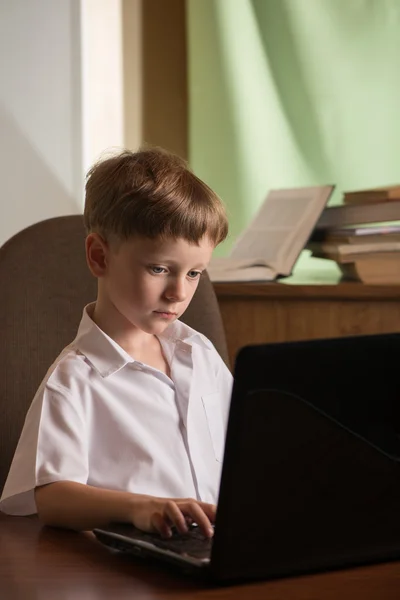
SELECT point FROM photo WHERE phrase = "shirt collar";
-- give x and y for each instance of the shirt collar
(180, 332)
(107, 357)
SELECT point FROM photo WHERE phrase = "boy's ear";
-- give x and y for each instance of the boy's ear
(97, 252)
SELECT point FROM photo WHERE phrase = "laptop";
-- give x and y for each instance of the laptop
(311, 473)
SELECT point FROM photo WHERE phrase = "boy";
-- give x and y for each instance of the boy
(128, 423)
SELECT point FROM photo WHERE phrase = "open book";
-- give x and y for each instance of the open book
(271, 244)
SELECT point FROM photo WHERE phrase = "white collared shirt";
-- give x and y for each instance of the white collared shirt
(102, 418)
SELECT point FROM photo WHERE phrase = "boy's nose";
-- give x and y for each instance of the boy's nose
(176, 290)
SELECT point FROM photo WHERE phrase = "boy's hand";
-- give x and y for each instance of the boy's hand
(161, 514)
(83, 507)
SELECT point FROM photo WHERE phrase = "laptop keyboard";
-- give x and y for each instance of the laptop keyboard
(192, 543)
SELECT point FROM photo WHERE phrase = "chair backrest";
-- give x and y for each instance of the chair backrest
(44, 285)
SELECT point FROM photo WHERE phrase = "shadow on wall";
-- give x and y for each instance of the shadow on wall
(29, 190)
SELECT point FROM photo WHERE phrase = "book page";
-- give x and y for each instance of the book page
(227, 269)
(280, 229)
(228, 263)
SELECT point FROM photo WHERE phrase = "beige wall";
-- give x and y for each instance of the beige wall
(40, 124)
(102, 78)
(79, 77)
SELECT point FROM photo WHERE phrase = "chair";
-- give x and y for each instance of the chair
(44, 285)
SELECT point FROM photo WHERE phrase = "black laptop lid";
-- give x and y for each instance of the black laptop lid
(308, 479)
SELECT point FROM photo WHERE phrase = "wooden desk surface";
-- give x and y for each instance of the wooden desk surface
(47, 564)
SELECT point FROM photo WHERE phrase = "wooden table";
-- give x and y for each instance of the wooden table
(256, 313)
(47, 564)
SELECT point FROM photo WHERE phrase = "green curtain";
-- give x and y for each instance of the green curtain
(286, 93)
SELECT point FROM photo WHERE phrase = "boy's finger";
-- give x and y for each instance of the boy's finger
(195, 511)
(160, 524)
(175, 516)
(210, 510)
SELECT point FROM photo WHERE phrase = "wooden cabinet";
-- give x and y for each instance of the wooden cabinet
(256, 313)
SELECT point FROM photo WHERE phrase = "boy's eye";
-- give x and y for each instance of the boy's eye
(194, 274)
(157, 270)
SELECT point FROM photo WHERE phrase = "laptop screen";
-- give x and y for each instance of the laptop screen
(355, 380)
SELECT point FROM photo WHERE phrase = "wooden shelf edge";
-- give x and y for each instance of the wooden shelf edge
(337, 291)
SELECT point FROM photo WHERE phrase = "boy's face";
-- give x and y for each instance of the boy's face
(151, 282)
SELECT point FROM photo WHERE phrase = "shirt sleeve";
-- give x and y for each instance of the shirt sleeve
(52, 447)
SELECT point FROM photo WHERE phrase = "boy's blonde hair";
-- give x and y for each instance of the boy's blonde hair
(151, 193)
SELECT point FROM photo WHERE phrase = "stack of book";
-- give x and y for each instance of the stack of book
(361, 237)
